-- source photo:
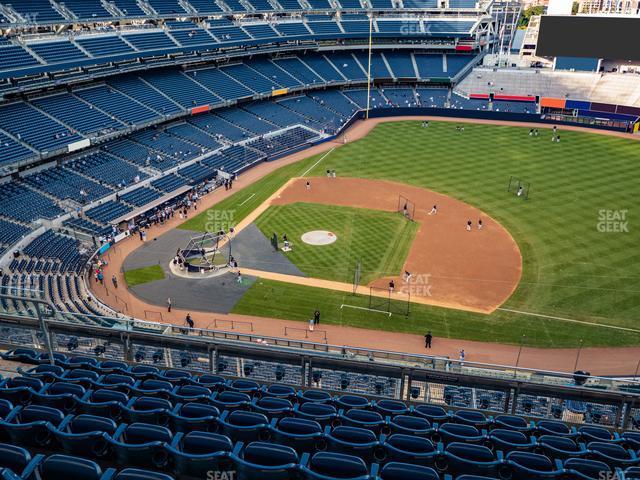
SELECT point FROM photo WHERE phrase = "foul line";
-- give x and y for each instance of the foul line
(249, 198)
(364, 308)
(571, 320)
(319, 160)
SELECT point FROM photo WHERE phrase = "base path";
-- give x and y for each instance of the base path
(451, 267)
(602, 361)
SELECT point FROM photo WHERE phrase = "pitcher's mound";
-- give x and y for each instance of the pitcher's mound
(319, 237)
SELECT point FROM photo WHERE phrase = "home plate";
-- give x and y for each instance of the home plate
(319, 237)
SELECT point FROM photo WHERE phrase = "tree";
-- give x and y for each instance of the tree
(528, 13)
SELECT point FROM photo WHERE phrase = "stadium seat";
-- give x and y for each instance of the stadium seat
(333, 466)
(244, 426)
(402, 471)
(411, 425)
(301, 434)
(84, 435)
(532, 465)
(323, 413)
(561, 447)
(509, 440)
(140, 444)
(194, 416)
(103, 402)
(195, 453)
(354, 441)
(31, 425)
(463, 458)
(267, 461)
(272, 407)
(18, 460)
(408, 449)
(147, 410)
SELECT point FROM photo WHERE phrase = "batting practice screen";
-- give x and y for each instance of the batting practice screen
(591, 37)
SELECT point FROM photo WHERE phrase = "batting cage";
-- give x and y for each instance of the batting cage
(387, 300)
(406, 207)
(519, 187)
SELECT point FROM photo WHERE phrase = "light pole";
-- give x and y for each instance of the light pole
(515, 372)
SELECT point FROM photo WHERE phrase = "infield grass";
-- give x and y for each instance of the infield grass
(379, 240)
(574, 265)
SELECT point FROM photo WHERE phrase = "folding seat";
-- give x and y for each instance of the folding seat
(301, 434)
(509, 440)
(84, 435)
(111, 366)
(116, 381)
(513, 422)
(193, 454)
(332, 466)
(612, 454)
(152, 388)
(213, 382)
(23, 355)
(351, 401)
(630, 472)
(45, 373)
(461, 458)
(81, 362)
(140, 444)
(278, 391)
(631, 440)
(272, 407)
(244, 386)
(597, 434)
(18, 460)
(552, 427)
(20, 390)
(354, 441)
(409, 425)
(364, 419)
(323, 413)
(408, 449)
(147, 410)
(527, 465)
(190, 393)
(142, 372)
(231, 401)
(316, 396)
(588, 469)
(244, 426)
(194, 416)
(56, 467)
(455, 432)
(561, 447)
(30, 425)
(266, 461)
(104, 403)
(390, 407)
(58, 358)
(82, 376)
(138, 474)
(469, 417)
(404, 471)
(61, 395)
(433, 413)
(177, 377)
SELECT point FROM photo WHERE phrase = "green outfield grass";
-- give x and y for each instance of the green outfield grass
(138, 276)
(571, 269)
(296, 302)
(380, 240)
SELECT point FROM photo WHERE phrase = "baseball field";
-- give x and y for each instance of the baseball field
(576, 233)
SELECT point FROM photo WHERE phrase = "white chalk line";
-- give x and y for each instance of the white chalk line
(319, 160)
(249, 198)
(571, 320)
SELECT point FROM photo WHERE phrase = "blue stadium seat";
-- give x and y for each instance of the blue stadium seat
(194, 454)
(402, 471)
(152, 410)
(453, 432)
(84, 435)
(408, 449)
(140, 444)
(244, 426)
(463, 458)
(18, 460)
(31, 425)
(354, 441)
(532, 465)
(272, 407)
(63, 396)
(333, 466)
(194, 416)
(508, 440)
(103, 402)
(301, 434)
(266, 461)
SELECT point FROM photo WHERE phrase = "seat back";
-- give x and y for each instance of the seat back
(202, 443)
(58, 467)
(269, 454)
